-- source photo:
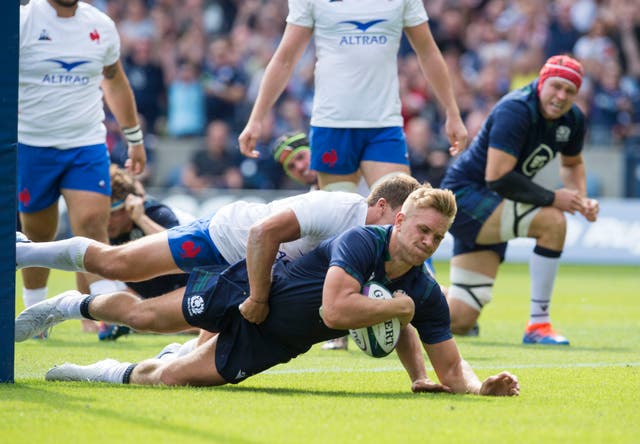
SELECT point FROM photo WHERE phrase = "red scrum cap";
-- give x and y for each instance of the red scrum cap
(564, 67)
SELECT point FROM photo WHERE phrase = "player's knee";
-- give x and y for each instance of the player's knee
(92, 225)
(470, 291)
(346, 186)
(551, 226)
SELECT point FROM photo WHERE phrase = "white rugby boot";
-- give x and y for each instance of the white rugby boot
(41, 316)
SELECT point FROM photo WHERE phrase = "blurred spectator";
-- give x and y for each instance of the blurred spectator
(595, 47)
(611, 109)
(136, 24)
(489, 46)
(264, 172)
(428, 157)
(224, 82)
(147, 81)
(562, 35)
(216, 164)
(186, 109)
(525, 67)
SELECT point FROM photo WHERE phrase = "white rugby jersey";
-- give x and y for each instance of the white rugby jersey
(61, 61)
(321, 214)
(356, 73)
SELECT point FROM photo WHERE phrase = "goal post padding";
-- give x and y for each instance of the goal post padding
(9, 30)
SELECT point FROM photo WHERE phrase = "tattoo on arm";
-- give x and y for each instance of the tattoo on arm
(109, 72)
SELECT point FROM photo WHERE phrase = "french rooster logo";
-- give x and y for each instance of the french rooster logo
(94, 36)
(24, 197)
(330, 158)
(189, 250)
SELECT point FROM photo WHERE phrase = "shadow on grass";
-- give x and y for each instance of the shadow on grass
(27, 392)
(92, 405)
(288, 391)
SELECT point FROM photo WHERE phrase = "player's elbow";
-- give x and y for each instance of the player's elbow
(334, 318)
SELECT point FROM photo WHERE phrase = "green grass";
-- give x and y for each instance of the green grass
(585, 393)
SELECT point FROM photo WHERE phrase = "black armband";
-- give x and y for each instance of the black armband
(520, 188)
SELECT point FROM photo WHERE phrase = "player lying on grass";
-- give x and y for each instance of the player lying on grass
(263, 231)
(329, 277)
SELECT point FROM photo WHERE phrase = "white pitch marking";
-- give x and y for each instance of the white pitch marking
(481, 367)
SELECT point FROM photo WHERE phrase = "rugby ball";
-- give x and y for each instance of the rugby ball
(380, 339)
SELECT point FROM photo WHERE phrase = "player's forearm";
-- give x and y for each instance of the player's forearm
(574, 177)
(275, 80)
(409, 350)
(261, 254)
(148, 225)
(120, 99)
(353, 310)
(436, 71)
(462, 379)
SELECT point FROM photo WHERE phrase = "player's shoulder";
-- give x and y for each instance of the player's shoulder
(87, 12)
(332, 199)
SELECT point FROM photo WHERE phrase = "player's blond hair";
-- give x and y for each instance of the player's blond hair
(394, 190)
(443, 201)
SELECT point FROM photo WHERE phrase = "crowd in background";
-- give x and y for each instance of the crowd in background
(195, 67)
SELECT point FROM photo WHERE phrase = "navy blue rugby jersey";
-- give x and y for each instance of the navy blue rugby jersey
(516, 126)
(296, 292)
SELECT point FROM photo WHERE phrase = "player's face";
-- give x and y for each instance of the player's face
(556, 98)
(298, 168)
(420, 234)
(65, 3)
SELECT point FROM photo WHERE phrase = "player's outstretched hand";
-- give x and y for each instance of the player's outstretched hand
(427, 385)
(502, 384)
(248, 139)
(254, 311)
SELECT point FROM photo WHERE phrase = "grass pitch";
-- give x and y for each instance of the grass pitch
(585, 393)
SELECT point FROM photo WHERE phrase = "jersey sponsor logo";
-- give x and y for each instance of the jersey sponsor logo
(189, 250)
(94, 36)
(365, 38)
(563, 133)
(330, 158)
(66, 79)
(363, 26)
(537, 160)
(68, 66)
(195, 305)
(44, 35)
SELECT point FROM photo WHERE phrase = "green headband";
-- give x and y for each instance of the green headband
(290, 146)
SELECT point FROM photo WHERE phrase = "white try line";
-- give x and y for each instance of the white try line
(475, 367)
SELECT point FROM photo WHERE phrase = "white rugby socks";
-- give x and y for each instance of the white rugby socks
(31, 296)
(543, 269)
(67, 254)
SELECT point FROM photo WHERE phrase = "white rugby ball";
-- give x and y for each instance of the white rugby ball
(380, 339)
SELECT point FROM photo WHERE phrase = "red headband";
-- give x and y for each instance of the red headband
(564, 67)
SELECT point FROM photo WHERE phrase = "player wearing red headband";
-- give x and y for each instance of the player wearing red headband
(498, 200)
